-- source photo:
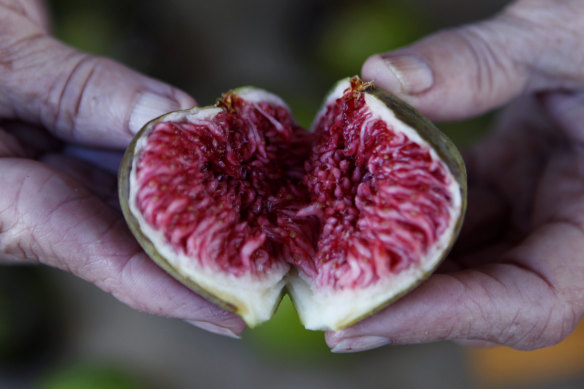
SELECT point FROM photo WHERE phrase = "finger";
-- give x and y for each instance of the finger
(459, 73)
(101, 183)
(475, 343)
(82, 98)
(47, 217)
(532, 299)
(484, 305)
(35, 10)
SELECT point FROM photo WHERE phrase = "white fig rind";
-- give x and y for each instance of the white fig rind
(254, 297)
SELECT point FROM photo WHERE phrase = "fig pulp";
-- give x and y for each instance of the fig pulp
(239, 203)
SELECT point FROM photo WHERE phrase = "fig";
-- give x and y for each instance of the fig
(240, 204)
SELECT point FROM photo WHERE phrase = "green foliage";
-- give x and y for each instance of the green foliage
(283, 335)
(94, 27)
(361, 29)
(91, 376)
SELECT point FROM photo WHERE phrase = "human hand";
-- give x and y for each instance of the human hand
(516, 276)
(52, 206)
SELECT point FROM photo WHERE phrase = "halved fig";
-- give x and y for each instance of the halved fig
(239, 203)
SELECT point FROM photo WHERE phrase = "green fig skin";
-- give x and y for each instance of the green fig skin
(442, 145)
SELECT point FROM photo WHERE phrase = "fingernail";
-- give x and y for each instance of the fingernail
(407, 74)
(214, 328)
(360, 344)
(149, 106)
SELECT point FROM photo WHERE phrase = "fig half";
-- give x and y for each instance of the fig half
(240, 204)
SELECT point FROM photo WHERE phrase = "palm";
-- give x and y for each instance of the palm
(518, 176)
(525, 227)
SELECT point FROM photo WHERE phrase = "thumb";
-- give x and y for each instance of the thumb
(80, 97)
(462, 72)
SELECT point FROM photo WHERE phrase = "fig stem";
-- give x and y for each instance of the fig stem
(226, 102)
(359, 86)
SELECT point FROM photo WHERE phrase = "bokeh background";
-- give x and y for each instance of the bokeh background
(58, 332)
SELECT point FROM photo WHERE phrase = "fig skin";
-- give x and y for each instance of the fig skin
(442, 145)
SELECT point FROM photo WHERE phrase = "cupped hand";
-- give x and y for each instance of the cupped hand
(53, 207)
(515, 277)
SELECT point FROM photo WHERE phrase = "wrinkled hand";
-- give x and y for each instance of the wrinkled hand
(53, 207)
(517, 275)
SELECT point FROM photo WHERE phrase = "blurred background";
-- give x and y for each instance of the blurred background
(59, 332)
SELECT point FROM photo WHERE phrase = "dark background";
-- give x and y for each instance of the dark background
(58, 332)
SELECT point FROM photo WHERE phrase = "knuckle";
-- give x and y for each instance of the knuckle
(125, 282)
(494, 66)
(547, 32)
(558, 325)
(16, 244)
(70, 91)
(18, 53)
(530, 331)
(502, 313)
